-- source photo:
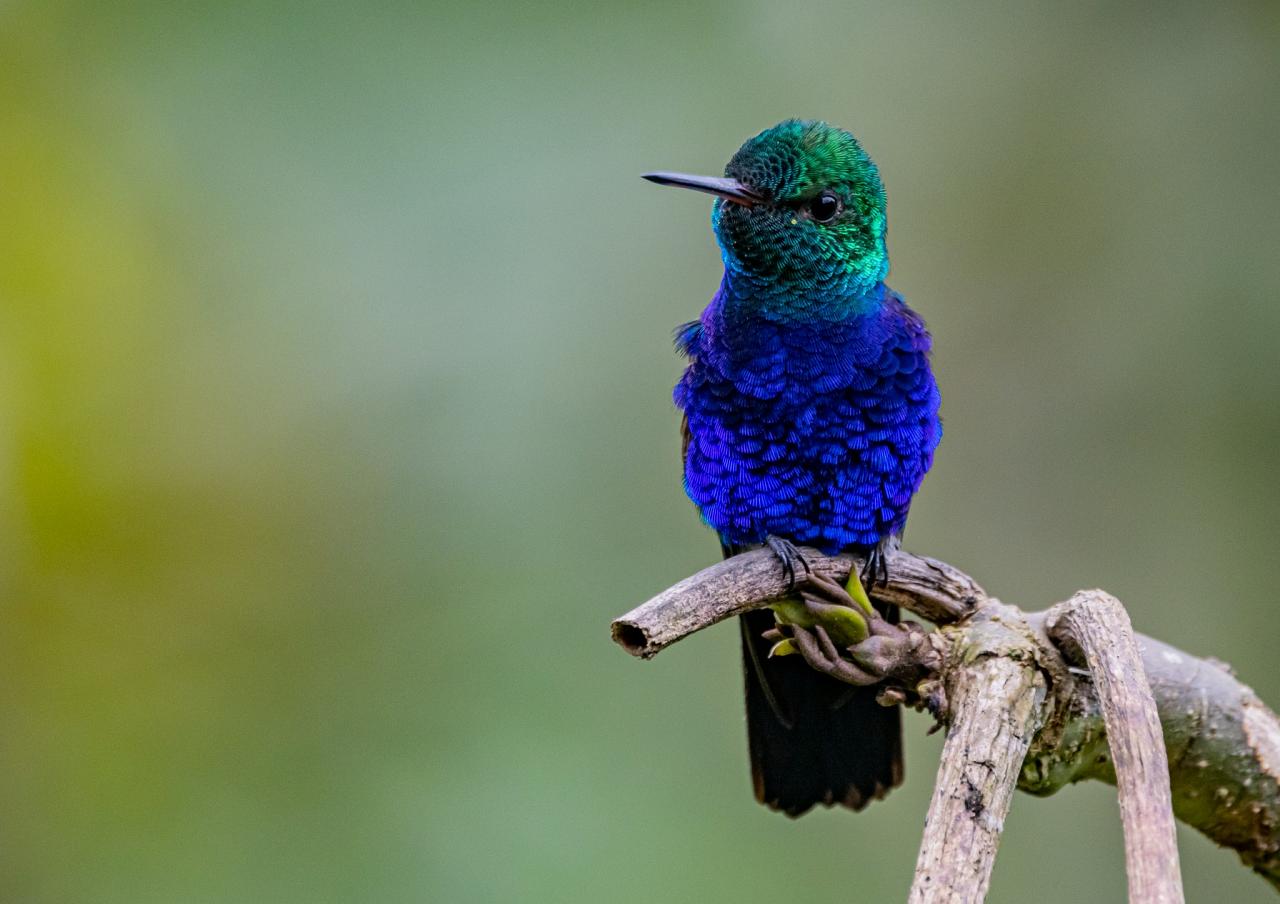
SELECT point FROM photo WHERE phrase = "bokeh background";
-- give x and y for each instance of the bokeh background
(335, 423)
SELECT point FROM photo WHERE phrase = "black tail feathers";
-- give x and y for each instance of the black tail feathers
(814, 740)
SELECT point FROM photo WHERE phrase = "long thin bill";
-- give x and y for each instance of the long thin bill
(729, 189)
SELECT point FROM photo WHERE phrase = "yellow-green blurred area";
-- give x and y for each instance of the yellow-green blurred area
(335, 423)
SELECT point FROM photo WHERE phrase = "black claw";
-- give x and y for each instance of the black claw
(875, 570)
(790, 557)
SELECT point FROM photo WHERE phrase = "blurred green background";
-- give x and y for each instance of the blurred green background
(336, 426)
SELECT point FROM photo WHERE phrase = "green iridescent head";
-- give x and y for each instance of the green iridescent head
(801, 207)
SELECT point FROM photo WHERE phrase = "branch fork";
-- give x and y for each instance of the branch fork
(1032, 701)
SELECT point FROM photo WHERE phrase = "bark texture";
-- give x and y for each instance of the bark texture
(1093, 627)
(996, 708)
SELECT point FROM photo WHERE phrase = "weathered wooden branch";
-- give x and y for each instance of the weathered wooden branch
(927, 587)
(1222, 745)
(996, 704)
(1095, 624)
(1222, 742)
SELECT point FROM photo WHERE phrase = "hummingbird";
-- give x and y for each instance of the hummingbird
(810, 417)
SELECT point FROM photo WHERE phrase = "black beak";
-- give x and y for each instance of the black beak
(729, 189)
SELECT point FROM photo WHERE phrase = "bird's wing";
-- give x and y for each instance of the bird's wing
(686, 337)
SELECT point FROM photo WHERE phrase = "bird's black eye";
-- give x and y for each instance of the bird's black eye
(825, 207)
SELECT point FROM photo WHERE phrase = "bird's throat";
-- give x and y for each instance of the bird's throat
(743, 298)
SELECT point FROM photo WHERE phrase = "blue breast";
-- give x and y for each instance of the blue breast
(819, 432)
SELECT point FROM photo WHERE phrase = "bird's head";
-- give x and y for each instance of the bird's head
(800, 206)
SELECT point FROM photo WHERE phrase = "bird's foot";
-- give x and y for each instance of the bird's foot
(790, 557)
(876, 569)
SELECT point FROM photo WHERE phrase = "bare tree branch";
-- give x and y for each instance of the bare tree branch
(1223, 743)
(996, 708)
(927, 587)
(1223, 746)
(1095, 626)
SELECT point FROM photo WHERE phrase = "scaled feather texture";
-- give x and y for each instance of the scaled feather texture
(812, 410)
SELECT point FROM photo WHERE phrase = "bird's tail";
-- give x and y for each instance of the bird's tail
(813, 739)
